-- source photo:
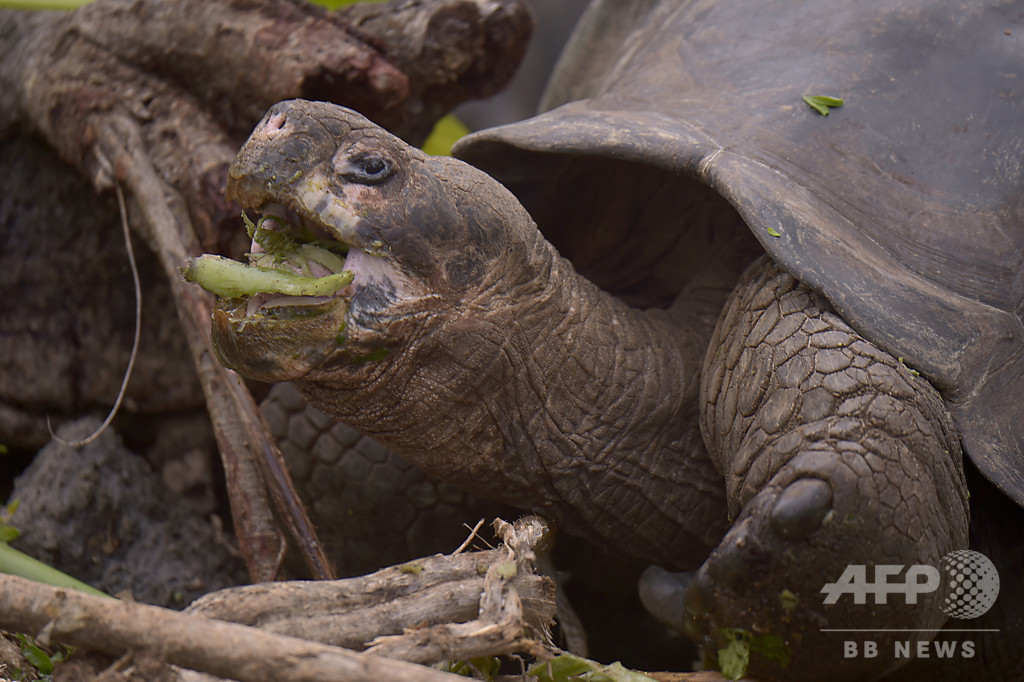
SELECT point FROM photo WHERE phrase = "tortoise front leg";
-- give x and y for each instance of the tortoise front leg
(834, 454)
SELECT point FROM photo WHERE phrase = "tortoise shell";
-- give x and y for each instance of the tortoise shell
(672, 122)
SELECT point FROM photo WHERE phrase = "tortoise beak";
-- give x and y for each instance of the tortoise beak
(278, 344)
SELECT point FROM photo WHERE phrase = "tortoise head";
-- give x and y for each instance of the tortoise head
(424, 235)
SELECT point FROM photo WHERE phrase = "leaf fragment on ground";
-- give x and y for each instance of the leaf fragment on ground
(734, 658)
(35, 655)
(567, 667)
(486, 668)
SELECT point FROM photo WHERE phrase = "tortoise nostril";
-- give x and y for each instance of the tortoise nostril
(800, 507)
(275, 123)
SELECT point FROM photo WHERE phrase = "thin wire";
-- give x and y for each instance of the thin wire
(135, 343)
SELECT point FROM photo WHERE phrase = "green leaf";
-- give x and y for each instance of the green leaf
(734, 659)
(9, 533)
(34, 655)
(445, 133)
(230, 279)
(616, 672)
(489, 666)
(18, 563)
(486, 667)
(823, 103)
(773, 232)
(456, 667)
(567, 667)
(560, 668)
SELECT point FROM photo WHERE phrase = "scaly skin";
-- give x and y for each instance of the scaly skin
(834, 453)
(372, 507)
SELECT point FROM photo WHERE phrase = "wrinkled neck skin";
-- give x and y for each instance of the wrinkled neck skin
(549, 394)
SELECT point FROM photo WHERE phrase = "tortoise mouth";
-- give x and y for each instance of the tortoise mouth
(328, 260)
(318, 295)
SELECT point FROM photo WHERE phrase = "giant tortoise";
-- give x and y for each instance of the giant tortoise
(704, 323)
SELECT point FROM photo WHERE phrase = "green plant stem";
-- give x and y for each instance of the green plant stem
(43, 4)
(20, 564)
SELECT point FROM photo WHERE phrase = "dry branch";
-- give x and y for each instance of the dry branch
(196, 641)
(224, 649)
(241, 435)
(353, 611)
(502, 626)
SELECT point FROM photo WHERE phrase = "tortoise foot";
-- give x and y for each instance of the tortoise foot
(846, 488)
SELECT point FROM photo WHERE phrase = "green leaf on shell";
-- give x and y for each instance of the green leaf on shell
(822, 103)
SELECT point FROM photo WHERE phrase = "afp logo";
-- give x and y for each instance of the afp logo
(971, 583)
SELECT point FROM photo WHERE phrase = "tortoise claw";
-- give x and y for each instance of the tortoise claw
(801, 507)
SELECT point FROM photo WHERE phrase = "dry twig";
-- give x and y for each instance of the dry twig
(509, 606)
(224, 649)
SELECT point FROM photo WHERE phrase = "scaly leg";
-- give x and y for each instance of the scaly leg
(834, 454)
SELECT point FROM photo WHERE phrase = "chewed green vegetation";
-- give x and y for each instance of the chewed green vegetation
(291, 262)
(285, 246)
(230, 279)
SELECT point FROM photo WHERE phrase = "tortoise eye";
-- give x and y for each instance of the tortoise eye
(367, 169)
